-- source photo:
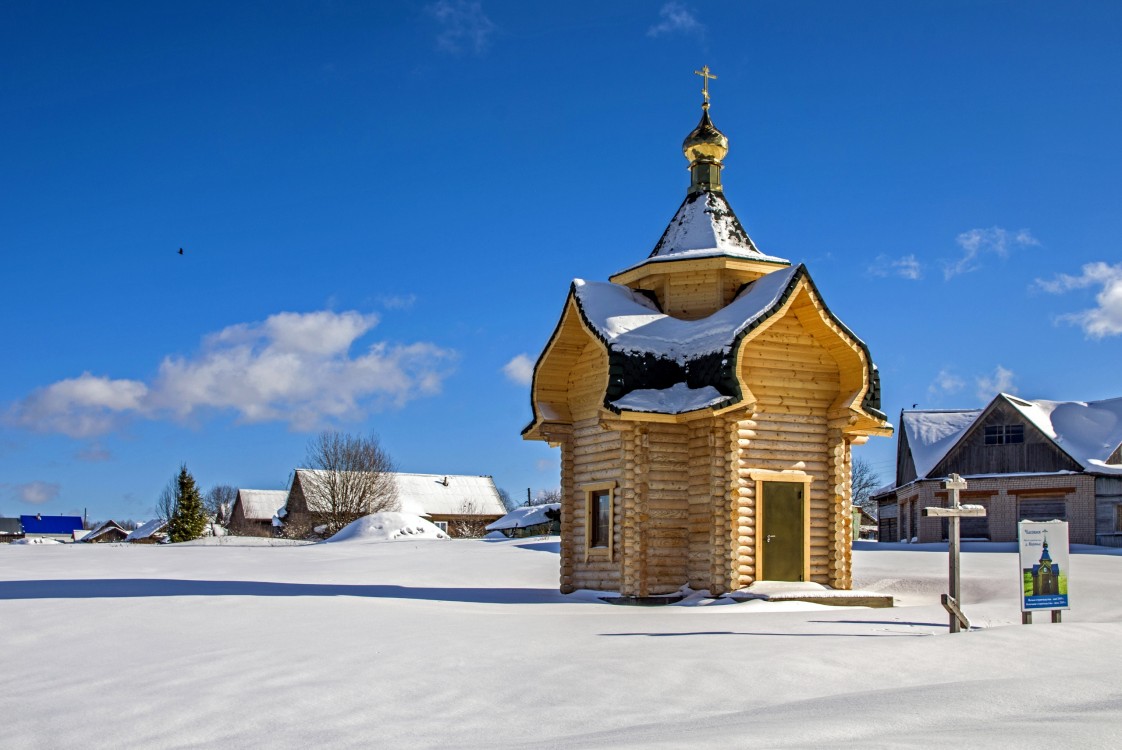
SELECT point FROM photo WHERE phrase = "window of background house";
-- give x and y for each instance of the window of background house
(442, 525)
(1118, 517)
(1005, 434)
(599, 517)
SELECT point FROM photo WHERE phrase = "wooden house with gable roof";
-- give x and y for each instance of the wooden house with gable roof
(1024, 459)
(253, 511)
(704, 401)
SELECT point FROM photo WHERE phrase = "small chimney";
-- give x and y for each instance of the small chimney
(445, 482)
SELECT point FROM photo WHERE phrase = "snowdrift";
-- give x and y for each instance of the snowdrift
(388, 527)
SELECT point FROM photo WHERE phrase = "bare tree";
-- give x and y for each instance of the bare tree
(468, 525)
(507, 500)
(219, 502)
(546, 497)
(165, 503)
(864, 482)
(353, 478)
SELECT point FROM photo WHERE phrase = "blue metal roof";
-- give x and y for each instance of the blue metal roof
(39, 524)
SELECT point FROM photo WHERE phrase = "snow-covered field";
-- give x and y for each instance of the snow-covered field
(468, 644)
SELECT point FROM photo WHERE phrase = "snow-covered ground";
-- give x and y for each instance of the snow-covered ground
(441, 643)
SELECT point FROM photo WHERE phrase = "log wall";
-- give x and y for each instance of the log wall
(795, 381)
(664, 508)
(593, 455)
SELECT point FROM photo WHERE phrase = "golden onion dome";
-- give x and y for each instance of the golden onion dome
(705, 143)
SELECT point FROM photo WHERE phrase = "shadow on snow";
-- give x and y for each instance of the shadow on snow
(127, 588)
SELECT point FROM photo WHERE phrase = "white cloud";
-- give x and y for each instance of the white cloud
(946, 382)
(907, 267)
(293, 367)
(37, 493)
(675, 17)
(1097, 322)
(990, 385)
(520, 370)
(79, 407)
(464, 26)
(977, 242)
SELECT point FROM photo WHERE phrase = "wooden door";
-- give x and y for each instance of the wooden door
(781, 539)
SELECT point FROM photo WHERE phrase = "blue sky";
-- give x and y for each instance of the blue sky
(381, 209)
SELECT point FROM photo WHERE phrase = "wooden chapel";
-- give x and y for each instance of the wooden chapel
(704, 401)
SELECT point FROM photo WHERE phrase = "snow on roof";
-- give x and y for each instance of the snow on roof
(527, 515)
(630, 323)
(677, 399)
(444, 494)
(931, 434)
(261, 505)
(101, 529)
(146, 530)
(1088, 431)
(388, 527)
(705, 226)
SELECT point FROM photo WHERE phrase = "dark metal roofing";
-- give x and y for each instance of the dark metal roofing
(10, 526)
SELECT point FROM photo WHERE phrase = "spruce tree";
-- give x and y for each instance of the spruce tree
(188, 521)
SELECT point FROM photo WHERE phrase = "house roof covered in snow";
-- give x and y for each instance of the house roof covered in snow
(1087, 431)
(261, 505)
(147, 530)
(102, 529)
(439, 494)
(931, 434)
(524, 517)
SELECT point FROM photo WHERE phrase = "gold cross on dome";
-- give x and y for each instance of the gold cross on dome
(705, 76)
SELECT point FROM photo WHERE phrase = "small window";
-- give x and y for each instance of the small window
(599, 518)
(1118, 517)
(442, 525)
(1005, 434)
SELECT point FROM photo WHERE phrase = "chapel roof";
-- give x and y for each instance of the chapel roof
(667, 365)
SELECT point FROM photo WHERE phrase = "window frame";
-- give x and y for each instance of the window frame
(1003, 434)
(607, 551)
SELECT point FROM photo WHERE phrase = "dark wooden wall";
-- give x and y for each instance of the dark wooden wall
(972, 456)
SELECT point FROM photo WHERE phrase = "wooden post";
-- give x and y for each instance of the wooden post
(954, 511)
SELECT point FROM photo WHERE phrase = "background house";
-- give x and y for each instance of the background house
(61, 528)
(253, 511)
(152, 532)
(106, 531)
(459, 505)
(529, 520)
(10, 530)
(1023, 460)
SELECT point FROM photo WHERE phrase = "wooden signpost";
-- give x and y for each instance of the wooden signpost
(953, 512)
